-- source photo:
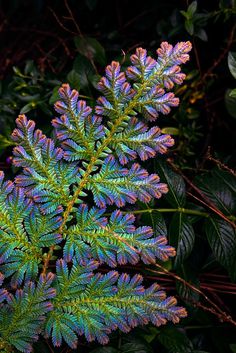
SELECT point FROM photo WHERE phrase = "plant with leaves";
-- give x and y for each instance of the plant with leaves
(48, 219)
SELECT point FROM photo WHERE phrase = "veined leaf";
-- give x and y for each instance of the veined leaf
(85, 71)
(175, 341)
(218, 191)
(222, 240)
(181, 237)
(232, 63)
(91, 49)
(177, 193)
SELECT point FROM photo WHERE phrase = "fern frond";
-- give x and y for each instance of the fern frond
(106, 303)
(114, 241)
(41, 160)
(138, 140)
(22, 317)
(76, 128)
(117, 185)
(49, 211)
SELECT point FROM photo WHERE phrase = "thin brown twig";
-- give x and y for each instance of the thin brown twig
(60, 23)
(73, 18)
(218, 162)
(208, 202)
(222, 55)
(216, 310)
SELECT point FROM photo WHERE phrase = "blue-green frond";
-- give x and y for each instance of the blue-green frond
(117, 185)
(138, 140)
(114, 241)
(76, 128)
(25, 312)
(107, 303)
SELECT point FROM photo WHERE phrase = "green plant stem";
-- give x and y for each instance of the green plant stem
(169, 210)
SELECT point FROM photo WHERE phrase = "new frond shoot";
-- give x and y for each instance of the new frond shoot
(64, 214)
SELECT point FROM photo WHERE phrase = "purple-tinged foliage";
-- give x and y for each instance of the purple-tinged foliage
(139, 140)
(25, 312)
(48, 212)
(77, 128)
(114, 241)
(117, 185)
(105, 303)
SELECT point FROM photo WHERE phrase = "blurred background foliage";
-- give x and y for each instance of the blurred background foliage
(44, 43)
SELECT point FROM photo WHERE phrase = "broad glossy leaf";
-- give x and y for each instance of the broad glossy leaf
(232, 63)
(91, 49)
(177, 192)
(230, 102)
(74, 79)
(227, 179)
(175, 340)
(192, 8)
(105, 350)
(222, 240)
(135, 347)
(217, 188)
(84, 69)
(181, 236)
(185, 292)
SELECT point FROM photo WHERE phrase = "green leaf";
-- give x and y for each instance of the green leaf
(17, 71)
(177, 193)
(55, 96)
(85, 71)
(91, 4)
(135, 347)
(105, 350)
(233, 347)
(217, 191)
(189, 26)
(181, 236)
(230, 102)
(29, 67)
(201, 33)
(175, 340)
(227, 179)
(73, 79)
(26, 108)
(232, 93)
(222, 239)
(170, 130)
(150, 334)
(232, 63)
(91, 49)
(185, 292)
(192, 8)
(5, 142)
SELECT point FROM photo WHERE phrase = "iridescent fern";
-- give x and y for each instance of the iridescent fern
(46, 215)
